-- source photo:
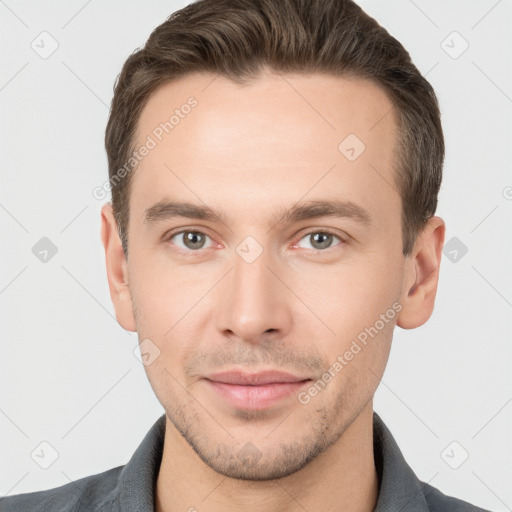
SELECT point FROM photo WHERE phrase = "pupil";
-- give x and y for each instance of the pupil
(192, 238)
(327, 238)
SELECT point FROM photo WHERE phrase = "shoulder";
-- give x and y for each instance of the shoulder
(439, 502)
(95, 492)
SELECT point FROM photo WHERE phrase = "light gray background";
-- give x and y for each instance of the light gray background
(68, 373)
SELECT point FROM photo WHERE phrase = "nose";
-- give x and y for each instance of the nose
(254, 301)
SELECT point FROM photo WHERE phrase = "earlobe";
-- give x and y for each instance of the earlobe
(422, 275)
(117, 269)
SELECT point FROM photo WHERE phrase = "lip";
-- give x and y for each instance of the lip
(255, 391)
(255, 379)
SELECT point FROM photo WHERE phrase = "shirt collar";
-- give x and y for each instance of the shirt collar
(137, 480)
(399, 488)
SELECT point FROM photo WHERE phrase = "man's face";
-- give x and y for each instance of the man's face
(261, 291)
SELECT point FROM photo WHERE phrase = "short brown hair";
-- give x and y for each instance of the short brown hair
(239, 38)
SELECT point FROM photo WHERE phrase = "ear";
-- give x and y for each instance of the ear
(422, 275)
(117, 269)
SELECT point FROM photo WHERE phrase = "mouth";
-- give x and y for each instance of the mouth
(255, 391)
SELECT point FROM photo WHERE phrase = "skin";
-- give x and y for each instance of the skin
(252, 151)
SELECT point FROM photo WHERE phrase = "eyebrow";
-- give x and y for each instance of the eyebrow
(165, 210)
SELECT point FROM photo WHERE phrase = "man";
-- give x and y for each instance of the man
(274, 167)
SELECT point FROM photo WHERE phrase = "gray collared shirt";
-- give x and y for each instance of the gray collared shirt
(130, 488)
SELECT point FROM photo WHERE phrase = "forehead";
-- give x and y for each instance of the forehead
(279, 105)
(274, 139)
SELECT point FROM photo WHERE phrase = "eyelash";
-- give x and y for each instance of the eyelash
(323, 231)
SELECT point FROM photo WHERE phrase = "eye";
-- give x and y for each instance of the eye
(319, 240)
(191, 240)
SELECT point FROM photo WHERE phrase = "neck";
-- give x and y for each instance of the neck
(343, 477)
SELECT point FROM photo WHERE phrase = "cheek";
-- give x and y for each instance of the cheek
(352, 295)
(334, 303)
(357, 304)
(164, 293)
(170, 314)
